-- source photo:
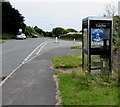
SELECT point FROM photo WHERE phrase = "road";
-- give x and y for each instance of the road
(32, 83)
(14, 52)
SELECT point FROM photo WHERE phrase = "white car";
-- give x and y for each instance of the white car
(21, 36)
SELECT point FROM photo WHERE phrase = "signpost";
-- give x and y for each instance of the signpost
(96, 44)
(20, 30)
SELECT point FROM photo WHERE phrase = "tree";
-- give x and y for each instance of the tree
(110, 10)
(38, 30)
(29, 31)
(48, 34)
(12, 20)
(58, 31)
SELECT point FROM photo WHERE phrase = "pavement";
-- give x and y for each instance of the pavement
(32, 83)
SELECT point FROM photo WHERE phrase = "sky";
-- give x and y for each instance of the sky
(48, 14)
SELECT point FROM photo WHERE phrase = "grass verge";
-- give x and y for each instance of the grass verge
(76, 47)
(1, 41)
(67, 61)
(7, 36)
(79, 90)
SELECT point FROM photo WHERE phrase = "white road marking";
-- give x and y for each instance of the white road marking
(32, 58)
(37, 52)
(41, 48)
(33, 52)
(42, 44)
(10, 75)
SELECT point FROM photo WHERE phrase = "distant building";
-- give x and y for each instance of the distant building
(119, 8)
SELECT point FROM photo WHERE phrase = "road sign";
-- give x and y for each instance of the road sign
(20, 30)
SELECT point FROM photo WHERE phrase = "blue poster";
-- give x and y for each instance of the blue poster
(97, 35)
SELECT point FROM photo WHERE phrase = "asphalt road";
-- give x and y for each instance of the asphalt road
(14, 52)
(32, 83)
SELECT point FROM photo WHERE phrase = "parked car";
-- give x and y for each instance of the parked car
(35, 36)
(21, 36)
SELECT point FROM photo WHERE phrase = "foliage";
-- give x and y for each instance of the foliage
(29, 31)
(67, 61)
(38, 30)
(12, 20)
(71, 37)
(71, 30)
(76, 89)
(116, 32)
(48, 34)
(116, 23)
(58, 31)
(116, 40)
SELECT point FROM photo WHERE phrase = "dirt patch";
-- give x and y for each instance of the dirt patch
(66, 70)
(58, 98)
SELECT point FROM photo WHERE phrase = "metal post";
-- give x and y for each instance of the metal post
(56, 40)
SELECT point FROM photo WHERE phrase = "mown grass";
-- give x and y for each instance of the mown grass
(1, 41)
(80, 90)
(76, 47)
(67, 61)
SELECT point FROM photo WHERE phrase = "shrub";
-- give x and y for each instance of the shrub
(116, 40)
(72, 37)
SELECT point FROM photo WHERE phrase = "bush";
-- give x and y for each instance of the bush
(72, 37)
(116, 40)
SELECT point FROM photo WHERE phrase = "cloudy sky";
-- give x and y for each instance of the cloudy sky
(48, 14)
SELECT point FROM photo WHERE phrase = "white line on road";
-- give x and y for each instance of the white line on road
(10, 75)
(42, 44)
(33, 52)
(37, 52)
(41, 48)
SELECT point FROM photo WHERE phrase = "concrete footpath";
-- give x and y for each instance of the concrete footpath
(32, 83)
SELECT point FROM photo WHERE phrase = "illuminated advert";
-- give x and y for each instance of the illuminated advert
(97, 37)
